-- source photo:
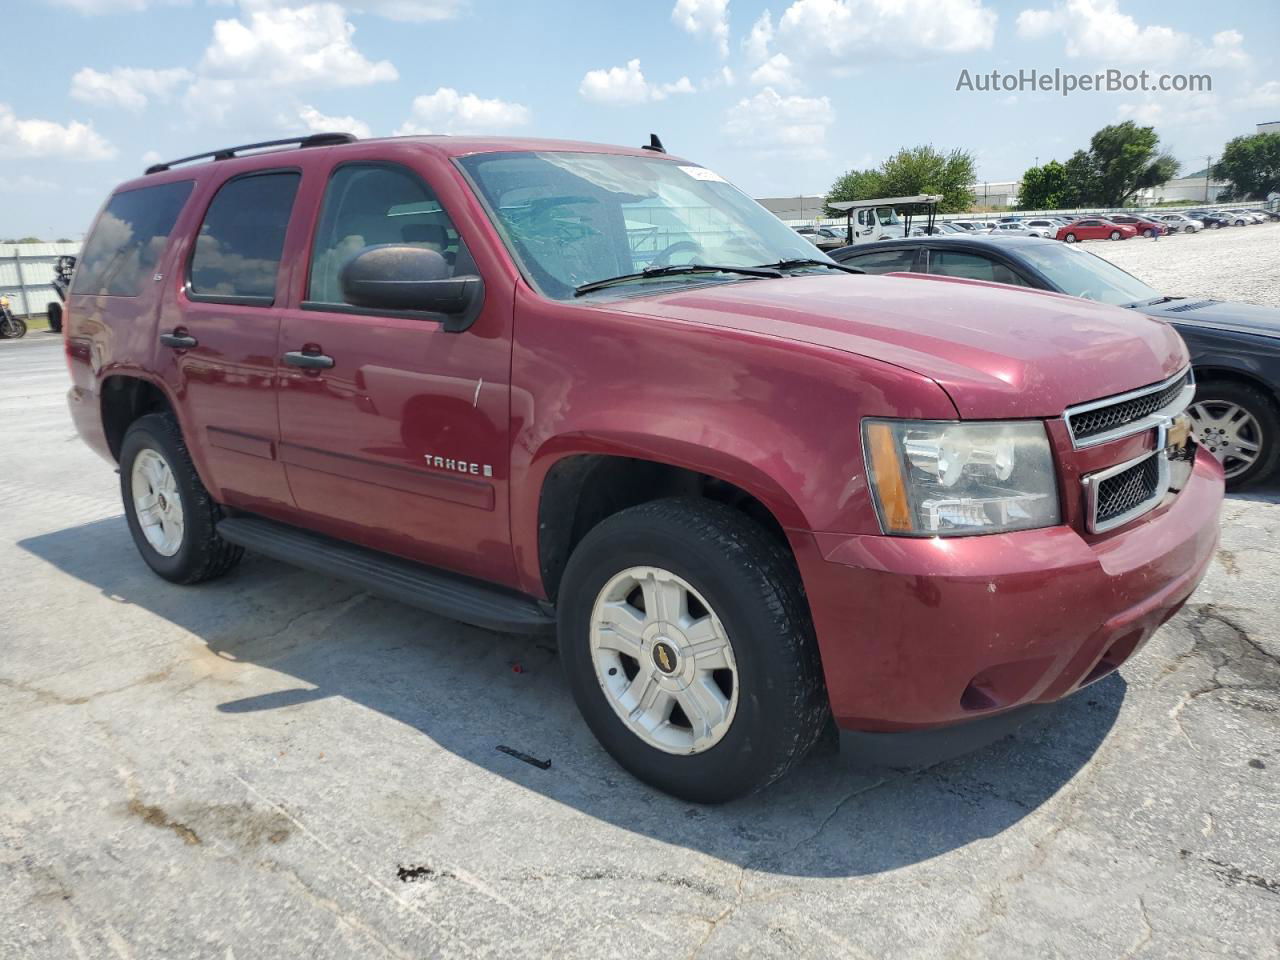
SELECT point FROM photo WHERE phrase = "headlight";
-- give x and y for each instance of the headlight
(935, 478)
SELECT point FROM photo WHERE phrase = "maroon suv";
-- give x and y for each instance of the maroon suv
(538, 385)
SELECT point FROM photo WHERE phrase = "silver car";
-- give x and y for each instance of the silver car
(1179, 222)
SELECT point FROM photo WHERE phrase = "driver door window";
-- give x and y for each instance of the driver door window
(370, 204)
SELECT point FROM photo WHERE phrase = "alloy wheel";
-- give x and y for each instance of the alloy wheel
(1228, 431)
(664, 660)
(157, 502)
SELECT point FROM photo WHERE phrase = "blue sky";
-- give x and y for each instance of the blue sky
(778, 97)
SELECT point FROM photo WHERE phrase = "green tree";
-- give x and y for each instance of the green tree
(1251, 164)
(855, 185)
(1126, 158)
(1081, 181)
(28, 240)
(925, 170)
(910, 171)
(1043, 188)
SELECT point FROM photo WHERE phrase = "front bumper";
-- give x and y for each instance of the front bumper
(921, 633)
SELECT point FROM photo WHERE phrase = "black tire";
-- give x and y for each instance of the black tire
(202, 555)
(55, 317)
(13, 328)
(1215, 225)
(1115, 234)
(1264, 411)
(1069, 238)
(751, 582)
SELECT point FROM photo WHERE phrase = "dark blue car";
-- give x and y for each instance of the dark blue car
(1235, 347)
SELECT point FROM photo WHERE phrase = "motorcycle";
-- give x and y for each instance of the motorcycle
(11, 327)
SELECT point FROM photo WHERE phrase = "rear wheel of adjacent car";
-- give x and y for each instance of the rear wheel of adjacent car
(688, 646)
(171, 516)
(1239, 425)
(1115, 234)
(1070, 238)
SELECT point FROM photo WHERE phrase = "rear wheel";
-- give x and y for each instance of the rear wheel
(171, 516)
(55, 317)
(1240, 426)
(688, 646)
(13, 328)
(1115, 234)
(1070, 238)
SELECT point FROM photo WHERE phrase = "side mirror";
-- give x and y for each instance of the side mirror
(404, 277)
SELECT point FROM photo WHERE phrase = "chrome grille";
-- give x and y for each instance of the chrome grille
(1128, 490)
(1128, 413)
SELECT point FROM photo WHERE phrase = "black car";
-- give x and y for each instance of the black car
(1235, 347)
(1211, 221)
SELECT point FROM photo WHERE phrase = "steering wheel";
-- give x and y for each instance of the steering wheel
(663, 259)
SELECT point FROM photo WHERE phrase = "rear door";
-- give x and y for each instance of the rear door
(401, 441)
(219, 335)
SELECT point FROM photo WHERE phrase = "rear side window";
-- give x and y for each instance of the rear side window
(971, 266)
(237, 255)
(884, 261)
(126, 243)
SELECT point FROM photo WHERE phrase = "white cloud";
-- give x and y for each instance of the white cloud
(318, 122)
(756, 43)
(710, 17)
(411, 11)
(447, 111)
(151, 157)
(1173, 110)
(774, 72)
(1263, 97)
(770, 121)
(94, 7)
(128, 87)
(628, 85)
(889, 27)
(45, 138)
(1098, 30)
(25, 183)
(270, 50)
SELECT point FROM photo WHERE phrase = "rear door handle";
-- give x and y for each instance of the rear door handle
(308, 361)
(179, 341)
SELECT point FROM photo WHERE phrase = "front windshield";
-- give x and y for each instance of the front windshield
(574, 218)
(1082, 274)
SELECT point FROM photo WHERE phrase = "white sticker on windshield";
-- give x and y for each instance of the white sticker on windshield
(702, 173)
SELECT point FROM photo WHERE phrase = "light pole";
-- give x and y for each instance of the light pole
(1208, 168)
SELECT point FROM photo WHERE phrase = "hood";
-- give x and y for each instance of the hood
(997, 351)
(1219, 315)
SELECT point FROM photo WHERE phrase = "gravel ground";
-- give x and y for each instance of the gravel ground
(277, 765)
(1233, 263)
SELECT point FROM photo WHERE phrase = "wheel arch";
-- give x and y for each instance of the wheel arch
(1218, 373)
(123, 398)
(580, 487)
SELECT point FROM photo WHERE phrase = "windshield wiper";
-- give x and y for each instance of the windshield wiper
(675, 270)
(1152, 302)
(810, 262)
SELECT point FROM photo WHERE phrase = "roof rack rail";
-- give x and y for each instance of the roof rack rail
(226, 153)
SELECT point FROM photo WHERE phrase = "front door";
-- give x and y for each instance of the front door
(394, 431)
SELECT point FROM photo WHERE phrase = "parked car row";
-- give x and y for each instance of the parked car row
(1235, 347)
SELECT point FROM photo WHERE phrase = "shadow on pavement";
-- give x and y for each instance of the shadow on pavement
(470, 690)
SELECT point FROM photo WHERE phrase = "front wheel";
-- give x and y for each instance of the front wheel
(1115, 234)
(1070, 238)
(55, 317)
(13, 328)
(171, 516)
(688, 646)
(1240, 426)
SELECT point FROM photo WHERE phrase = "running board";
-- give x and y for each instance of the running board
(449, 595)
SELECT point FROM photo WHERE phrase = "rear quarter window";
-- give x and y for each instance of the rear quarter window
(126, 243)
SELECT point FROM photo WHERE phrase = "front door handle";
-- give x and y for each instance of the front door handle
(179, 340)
(308, 361)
